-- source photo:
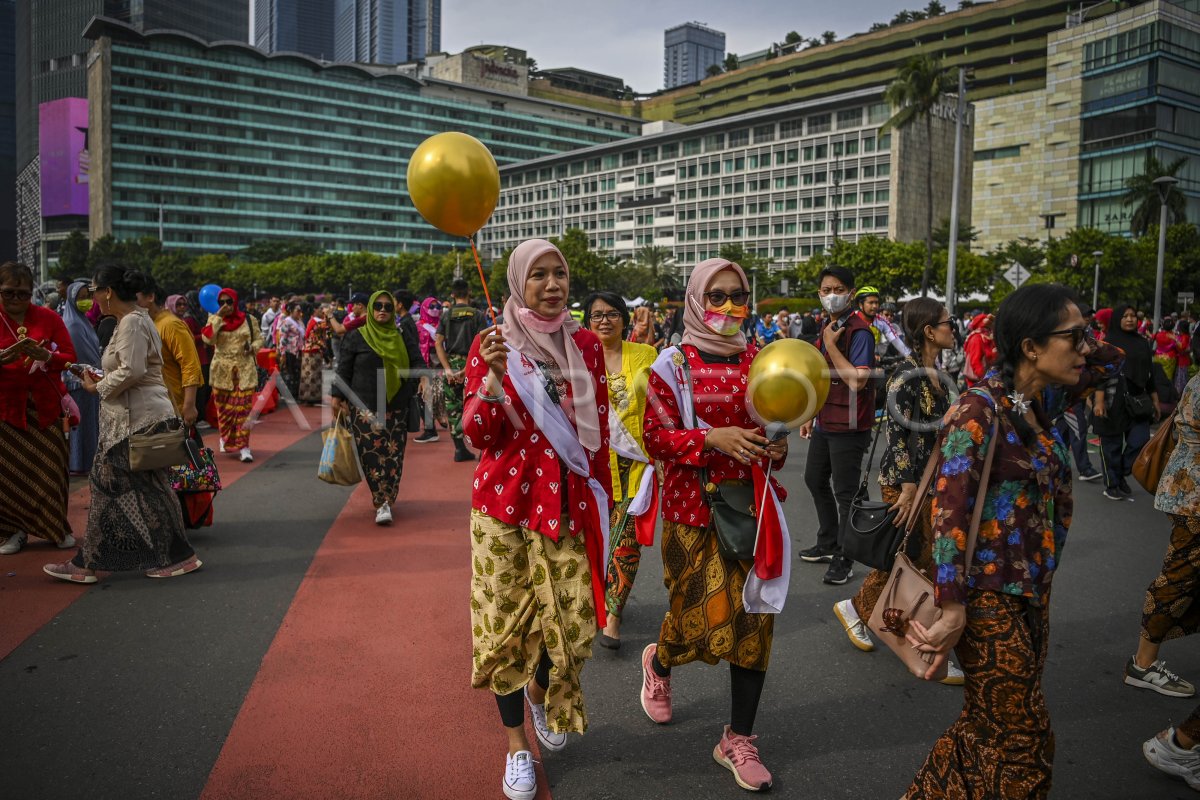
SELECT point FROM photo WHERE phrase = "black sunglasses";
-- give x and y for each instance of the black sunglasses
(1080, 337)
(18, 294)
(225, 301)
(381, 306)
(718, 298)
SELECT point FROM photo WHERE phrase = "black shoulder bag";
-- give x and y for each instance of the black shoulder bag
(731, 505)
(869, 533)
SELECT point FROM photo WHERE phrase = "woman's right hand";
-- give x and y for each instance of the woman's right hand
(338, 405)
(741, 444)
(939, 638)
(224, 311)
(904, 504)
(493, 351)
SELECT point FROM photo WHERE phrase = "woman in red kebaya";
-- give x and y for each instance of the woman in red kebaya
(537, 410)
(698, 426)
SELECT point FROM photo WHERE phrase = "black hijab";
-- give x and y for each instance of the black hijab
(1138, 367)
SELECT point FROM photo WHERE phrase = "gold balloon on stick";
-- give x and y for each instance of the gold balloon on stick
(787, 384)
(453, 181)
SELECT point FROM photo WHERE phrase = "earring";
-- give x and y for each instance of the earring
(1035, 355)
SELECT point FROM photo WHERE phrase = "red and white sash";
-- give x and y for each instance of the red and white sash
(552, 421)
(767, 584)
(644, 505)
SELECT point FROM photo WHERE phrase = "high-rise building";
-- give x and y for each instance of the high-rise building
(295, 26)
(8, 129)
(211, 20)
(690, 49)
(387, 31)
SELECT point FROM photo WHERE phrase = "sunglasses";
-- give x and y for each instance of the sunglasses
(611, 316)
(225, 301)
(1083, 338)
(381, 306)
(16, 294)
(718, 298)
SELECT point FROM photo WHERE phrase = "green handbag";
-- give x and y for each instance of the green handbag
(731, 508)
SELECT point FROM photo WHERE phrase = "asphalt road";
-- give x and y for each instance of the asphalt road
(839, 723)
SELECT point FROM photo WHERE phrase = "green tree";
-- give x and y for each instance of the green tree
(828, 37)
(934, 9)
(73, 256)
(268, 250)
(793, 38)
(892, 267)
(915, 90)
(1143, 195)
(104, 250)
(731, 62)
(966, 234)
(713, 69)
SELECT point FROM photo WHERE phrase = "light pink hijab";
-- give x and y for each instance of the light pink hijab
(695, 332)
(547, 340)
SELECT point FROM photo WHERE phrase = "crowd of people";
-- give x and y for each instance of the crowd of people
(597, 423)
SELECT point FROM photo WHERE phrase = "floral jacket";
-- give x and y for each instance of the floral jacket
(1028, 504)
(1179, 486)
(910, 427)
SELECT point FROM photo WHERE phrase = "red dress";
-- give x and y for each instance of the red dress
(18, 386)
(520, 479)
(720, 392)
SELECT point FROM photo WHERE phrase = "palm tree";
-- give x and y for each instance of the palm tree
(1143, 195)
(915, 90)
(657, 259)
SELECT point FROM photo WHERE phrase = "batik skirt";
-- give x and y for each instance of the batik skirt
(381, 445)
(530, 594)
(705, 618)
(134, 521)
(312, 366)
(233, 411)
(33, 481)
(1001, 746)
(625, 551)
(1172, 607)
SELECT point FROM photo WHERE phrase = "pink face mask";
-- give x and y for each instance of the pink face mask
(536, 322)
(726, 320)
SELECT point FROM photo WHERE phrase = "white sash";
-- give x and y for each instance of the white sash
(758, 596)
(624, 445)
(551, 420)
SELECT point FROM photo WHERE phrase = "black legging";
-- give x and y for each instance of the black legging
(745, 691)
(512, 706)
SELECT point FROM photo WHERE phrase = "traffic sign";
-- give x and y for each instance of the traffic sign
(1186, 297)
(1016, 275)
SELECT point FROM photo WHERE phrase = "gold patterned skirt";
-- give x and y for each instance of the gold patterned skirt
(529, 594)
(705, 619)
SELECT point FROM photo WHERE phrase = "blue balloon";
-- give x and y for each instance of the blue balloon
(208, 298)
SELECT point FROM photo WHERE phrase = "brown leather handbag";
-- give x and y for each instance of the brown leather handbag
(908, 594)
(1152, 461)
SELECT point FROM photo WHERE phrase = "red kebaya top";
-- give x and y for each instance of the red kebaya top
(18, 385)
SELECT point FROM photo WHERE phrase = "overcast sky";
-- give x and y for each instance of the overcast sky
(625, 37)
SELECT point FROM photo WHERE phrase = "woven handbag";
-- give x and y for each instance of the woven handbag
(908, 594)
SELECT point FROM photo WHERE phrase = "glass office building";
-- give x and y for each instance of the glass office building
(227, 145)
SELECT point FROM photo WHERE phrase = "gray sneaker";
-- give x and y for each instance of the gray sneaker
(1162, 753)
(1158, 678)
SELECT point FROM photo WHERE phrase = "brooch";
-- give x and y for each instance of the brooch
(677, 357)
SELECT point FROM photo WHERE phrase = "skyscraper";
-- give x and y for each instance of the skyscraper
(689, 50)
(295, 26)
(387, 31)
(211, 20)
(8, 129)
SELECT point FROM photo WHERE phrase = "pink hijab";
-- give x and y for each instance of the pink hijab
(547, 340)
(695, 332)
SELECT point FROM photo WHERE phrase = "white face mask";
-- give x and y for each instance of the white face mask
(835, 303)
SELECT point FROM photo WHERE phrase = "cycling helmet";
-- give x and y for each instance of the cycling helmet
(865, 292)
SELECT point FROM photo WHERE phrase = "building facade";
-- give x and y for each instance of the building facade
(1118, 88)
(295, 26)
(783, 183)
(688, 51)
(8, 129)
(231, 145)
(211, 20)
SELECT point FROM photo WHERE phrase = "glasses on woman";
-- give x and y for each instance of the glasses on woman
(718, 297)
(611, 316)
(381, 306)
(1083, 338)
(16, 294)
(225, 301)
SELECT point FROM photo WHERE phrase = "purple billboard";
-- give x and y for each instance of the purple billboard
(63, 140)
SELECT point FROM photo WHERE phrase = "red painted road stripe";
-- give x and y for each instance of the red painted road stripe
(365, 691)
(31, 598)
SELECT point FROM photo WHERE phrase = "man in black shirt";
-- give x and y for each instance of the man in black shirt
(456, 331)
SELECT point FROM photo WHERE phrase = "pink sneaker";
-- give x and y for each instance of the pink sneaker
(175, 570)
(656, 691)
(67, 571)
(739, 755)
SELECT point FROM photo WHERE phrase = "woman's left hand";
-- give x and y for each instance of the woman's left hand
(939, 638)
(35, 350)
(778, 449)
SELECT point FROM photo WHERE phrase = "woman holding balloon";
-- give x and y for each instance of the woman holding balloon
(537, 409)
(233, 374)
(698, 425)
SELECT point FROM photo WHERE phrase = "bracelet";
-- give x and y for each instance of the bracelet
(487, 398)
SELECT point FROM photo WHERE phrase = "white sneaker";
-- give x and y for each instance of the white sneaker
(547, 738)
(520, 779)
(954, 676)
(1162, 753)
(856, 629)
(383, 515)
(13, 544)
(245, 455)
(221, 445)
(67, 543)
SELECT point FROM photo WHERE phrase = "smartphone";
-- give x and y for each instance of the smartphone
(840, 323)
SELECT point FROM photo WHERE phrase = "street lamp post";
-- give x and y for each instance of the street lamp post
(952, 255)
(1163, 185)
(1096, 280)
(562, 209)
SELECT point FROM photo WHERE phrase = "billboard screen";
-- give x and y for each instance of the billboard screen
(63, 147)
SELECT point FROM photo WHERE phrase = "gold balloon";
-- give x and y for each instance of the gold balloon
(453, 181)
(788, 383)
